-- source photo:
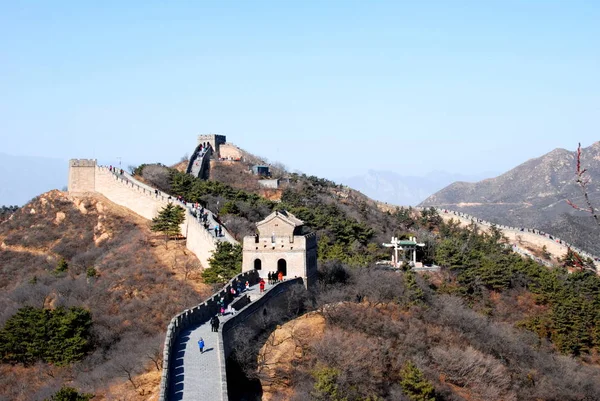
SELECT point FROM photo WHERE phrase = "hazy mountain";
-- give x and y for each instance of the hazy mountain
(534, 194)
(24, 177)
(387, 186)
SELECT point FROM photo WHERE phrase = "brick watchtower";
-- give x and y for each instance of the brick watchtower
(280, 246)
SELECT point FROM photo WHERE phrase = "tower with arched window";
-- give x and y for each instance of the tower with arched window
(282, 245)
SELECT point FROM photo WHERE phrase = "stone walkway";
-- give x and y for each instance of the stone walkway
(195, 376)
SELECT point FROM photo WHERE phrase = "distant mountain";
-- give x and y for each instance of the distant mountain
(406, 190)
(24, 177)
(534, 194)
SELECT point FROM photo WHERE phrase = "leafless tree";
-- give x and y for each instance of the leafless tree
(583, 180)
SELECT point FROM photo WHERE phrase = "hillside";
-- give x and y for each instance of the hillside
(491, 325)
(117, 270)
(534, 194)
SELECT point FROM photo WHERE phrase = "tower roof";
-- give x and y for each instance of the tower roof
(283, 215)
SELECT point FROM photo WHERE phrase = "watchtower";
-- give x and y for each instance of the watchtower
(280, 246)
(215, 141)
(82, 175)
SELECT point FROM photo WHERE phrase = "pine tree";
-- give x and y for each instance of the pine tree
(168, 221)
(70, 394)
(414, 385)
(225, 263)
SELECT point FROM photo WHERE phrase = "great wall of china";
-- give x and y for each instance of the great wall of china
(183, 365)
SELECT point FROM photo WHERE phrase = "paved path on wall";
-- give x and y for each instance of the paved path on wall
(196, 376)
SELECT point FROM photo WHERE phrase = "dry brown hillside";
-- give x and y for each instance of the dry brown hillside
(139, 286)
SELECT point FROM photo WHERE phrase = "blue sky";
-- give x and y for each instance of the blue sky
(331, 88)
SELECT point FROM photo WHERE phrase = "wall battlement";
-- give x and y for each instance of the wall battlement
(82, 163)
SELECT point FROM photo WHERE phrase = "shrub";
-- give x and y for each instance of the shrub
(70, 394)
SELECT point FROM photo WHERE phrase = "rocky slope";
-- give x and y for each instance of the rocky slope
(134, 288)
(534, 194)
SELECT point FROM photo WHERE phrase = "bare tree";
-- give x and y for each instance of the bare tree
(155, 355)
(129, 371)
(583, 181)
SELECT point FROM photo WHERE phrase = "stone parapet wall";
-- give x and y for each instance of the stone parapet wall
(193, 317)
(272, 301)
(122, 191)
(141, 199)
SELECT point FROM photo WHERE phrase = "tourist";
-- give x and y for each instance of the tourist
(247, 285)
(280, 276)
(262, 285)
(201, 345)
(214, 323)
(269, 276)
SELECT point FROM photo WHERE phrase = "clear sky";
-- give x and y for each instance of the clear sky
(332, 88)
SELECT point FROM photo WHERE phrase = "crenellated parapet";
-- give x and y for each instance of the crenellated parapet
(82, 163)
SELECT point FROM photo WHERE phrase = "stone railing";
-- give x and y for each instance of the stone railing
(193, 317)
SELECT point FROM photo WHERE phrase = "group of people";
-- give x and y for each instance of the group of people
(275, 277)
(116, 170)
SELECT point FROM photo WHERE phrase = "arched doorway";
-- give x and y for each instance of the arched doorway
(257, 264)
(282, 267)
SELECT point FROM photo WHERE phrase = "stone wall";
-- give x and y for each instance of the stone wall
(122, 189)
(193, 317)
(82, 175)
(214, 140)
(258, 316)
(274, 301)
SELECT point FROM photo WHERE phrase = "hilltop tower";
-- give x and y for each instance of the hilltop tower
(82, 175)
(215, 141)
(280, 246)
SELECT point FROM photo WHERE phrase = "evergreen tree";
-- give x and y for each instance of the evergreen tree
(414, 385)
(168, 220)
(69, 394)
(225, 263)
(58, 336)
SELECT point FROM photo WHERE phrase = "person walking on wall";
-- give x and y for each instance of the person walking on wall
(280, 276)
(269, 278)
(214, 324)
(262, 285)
(201, 345)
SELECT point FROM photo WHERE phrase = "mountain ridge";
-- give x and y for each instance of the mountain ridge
(534, 194)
